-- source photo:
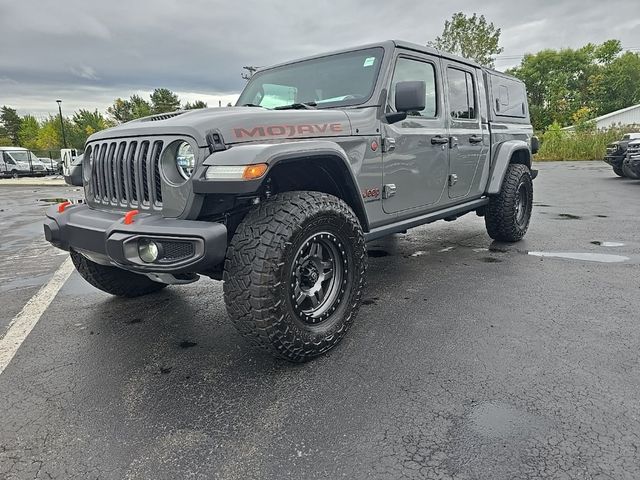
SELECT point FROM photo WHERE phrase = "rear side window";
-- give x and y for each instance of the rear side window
(509, 97)
(408, 70)
(462, 98)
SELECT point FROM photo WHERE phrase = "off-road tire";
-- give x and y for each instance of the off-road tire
(628, 173)
(113, 280)
(260, 271)
(618, 170)
(502, 217)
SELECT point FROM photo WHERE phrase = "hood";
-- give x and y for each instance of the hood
(236, 124)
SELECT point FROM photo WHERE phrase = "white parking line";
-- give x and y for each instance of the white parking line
(23, 322)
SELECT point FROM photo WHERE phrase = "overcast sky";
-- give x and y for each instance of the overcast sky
(87, 52)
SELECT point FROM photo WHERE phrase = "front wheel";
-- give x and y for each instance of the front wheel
(618, 170)
(294, 274)
(113, 280)
(508, 213)
(627, 172)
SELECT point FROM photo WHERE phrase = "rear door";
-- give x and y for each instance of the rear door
(468, 142)
(415, 162)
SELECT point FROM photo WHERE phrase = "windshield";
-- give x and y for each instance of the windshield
(336, 80)
(22, 156)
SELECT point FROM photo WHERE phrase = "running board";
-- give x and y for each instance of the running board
(455, 211)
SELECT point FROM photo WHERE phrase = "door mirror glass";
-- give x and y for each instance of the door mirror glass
(410, 96)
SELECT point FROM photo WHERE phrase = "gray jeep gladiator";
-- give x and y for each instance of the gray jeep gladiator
(279, 195)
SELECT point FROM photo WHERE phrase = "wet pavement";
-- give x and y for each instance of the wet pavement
(469, 359)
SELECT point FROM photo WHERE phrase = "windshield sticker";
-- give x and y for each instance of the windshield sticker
(369, 61)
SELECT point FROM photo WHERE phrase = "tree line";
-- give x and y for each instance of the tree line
(47, 134)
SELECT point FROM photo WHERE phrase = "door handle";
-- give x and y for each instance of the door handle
(439, 140)
(475, 139)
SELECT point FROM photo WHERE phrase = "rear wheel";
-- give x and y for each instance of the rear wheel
(15, 174)
(294, 274)
(508, 213)
(113, 280)
(618, 170)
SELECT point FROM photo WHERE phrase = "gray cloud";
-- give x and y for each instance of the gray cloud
(87, 53)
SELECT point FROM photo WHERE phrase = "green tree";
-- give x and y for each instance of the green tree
(49, 135)
(84, 124)
(195, 105)
(126, 110)
(471, 37)
(10, 121)
(29, 129)
(561, 83)
(139, 107)
(164, 100)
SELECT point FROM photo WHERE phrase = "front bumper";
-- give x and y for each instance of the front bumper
(104, 238)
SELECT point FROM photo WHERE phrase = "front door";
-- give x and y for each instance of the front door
(468, 142)
(416, 151)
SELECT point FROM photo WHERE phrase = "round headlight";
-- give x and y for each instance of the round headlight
(185, 160)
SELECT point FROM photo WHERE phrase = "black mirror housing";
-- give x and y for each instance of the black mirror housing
(410, 96)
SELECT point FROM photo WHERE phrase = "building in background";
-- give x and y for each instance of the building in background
(623, 117)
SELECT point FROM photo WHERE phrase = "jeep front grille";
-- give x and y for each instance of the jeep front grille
(126, 173)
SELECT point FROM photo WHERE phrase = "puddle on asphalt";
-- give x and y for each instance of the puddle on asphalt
(27, 282)
(53, 201)
(568, 216)
(377, 253)
(446, 249)
(608, 244)
(419, 253)
(496, 420)
(490, 260)
(588, 257)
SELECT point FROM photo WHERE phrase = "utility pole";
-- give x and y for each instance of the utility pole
(64, 137)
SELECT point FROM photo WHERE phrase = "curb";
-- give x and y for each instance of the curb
(33, 182)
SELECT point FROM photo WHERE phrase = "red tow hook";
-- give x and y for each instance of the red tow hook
(62, 206)
(128, 217)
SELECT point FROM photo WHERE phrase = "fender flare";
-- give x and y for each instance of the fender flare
(277, 154)
(501, 161)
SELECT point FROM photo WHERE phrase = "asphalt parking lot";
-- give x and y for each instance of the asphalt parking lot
(469, 359)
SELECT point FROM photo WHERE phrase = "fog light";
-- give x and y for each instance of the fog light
(148, 250)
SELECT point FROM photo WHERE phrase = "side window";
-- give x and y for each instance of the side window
(408, 70)
(8, 159)
(462, 98)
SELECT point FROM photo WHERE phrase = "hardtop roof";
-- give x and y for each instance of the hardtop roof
(389, 44)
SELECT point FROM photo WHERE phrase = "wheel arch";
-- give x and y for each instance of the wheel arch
(511, 151)
(323, 173)
(317, 165)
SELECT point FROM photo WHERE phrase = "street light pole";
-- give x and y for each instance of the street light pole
(64, 137)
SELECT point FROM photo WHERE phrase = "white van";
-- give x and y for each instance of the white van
(18, 161)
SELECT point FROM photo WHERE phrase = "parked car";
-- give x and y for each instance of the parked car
(18, 161)
(73, 173)
(278, 196)
(617, 152)
(631, 164)
(52, 165)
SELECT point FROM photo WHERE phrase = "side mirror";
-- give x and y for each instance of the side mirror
(410, 97)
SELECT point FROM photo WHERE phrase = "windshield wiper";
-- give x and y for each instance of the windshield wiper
(298, 106)
(251, 105)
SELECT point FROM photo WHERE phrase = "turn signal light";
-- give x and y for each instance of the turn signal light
(251, 172)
